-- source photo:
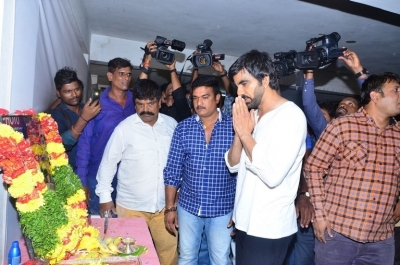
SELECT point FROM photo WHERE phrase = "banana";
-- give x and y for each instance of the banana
(113, 248)
(92, 255)
(117, 241)
(106, 250)
(108, 240)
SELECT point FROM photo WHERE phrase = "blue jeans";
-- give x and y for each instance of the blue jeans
(341, 250)
(218, 237)
(301, 250)
(94, 202)
(204, 256)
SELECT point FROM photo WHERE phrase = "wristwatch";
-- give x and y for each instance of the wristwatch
(364, 71)
(305, 193)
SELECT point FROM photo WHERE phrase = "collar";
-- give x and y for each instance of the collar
(137, 119)
(366, 117)
(197, 117)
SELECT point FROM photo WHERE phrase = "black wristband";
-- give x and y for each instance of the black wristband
(144, 70)
(171, 209)
(224, 74)
(173, 70)
(363, 71)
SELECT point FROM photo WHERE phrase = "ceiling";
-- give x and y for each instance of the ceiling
(236, 26)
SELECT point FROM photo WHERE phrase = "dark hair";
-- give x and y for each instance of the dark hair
(64, 76)
(81, 85)
(258, 64)
(118, 63)
(164, 86)
(146, 89)
(207, 81)
(330, 107)
(375, 83)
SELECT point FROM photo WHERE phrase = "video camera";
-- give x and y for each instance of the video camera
(320, 56)
(317, 57)
(204, 56)
(285, 63)
(163, 55)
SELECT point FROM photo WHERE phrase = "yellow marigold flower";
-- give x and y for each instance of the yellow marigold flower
(76, 216)
(23, 184)
(30, 206)
(64, 230)
(8, 131)
(38, 149)
(56, 255)
(38, 177)
(77, 197)
(41, 115)
(57, 148)
(89, 243)
(60, 161)
(94, 232)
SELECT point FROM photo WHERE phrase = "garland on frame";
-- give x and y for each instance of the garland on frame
(54, 220)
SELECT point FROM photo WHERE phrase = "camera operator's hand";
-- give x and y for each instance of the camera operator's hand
(171, 66)
(218, 67)
(149, 49)
(351, 59)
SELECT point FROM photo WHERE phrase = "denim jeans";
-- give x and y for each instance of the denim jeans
(94, 202)
(341, 250)
(218, 237)
(204, 256)
(301, 250)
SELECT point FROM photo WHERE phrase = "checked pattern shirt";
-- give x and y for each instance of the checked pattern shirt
(198, 169)
(353, 177)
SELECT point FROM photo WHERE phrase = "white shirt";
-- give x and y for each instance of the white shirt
(267, 185)
(142, 152)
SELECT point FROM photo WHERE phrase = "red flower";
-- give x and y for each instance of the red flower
(4, 112)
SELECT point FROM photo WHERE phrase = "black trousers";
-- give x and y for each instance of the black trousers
(397, 246)
(260, 251)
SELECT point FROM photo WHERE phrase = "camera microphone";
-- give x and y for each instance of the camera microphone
(208, 42)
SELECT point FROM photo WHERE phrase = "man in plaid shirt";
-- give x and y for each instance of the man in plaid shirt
(353, 178)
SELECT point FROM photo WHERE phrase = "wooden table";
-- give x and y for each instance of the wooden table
(125, 227)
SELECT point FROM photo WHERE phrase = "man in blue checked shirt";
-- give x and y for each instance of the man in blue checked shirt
(196, 166)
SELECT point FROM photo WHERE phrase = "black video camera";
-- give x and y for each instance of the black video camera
(320, 56)
(285, 63)
(204, 56)
(163, 55)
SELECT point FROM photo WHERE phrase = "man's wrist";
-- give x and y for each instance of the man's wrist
(304, 193)
(364, 71)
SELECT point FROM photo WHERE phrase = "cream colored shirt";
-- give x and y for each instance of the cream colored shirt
(142, 152)
(267, 185)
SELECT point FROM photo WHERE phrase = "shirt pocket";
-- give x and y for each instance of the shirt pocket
(355, 154)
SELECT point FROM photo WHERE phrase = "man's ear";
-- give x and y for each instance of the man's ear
(217, 98)
(109, 76)
(58, 93)
(265, 82)
(374, 97)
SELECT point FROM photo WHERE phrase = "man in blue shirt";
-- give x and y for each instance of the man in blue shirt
(70, 114)
(116, 105)
(196, 166)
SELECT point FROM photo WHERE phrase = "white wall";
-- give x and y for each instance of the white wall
(37, 39)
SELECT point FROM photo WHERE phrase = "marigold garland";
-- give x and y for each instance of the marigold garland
(55, 221)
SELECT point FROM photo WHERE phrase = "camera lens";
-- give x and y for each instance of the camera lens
(164, 55)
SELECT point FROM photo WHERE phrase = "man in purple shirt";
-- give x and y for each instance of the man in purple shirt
(116, 105)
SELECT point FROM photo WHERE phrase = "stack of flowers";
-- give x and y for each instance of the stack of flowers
(54, 220)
